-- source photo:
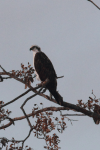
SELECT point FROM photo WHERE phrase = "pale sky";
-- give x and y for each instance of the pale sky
(69, 33)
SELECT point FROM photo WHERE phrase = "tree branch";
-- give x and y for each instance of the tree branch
(33, 114)
(94, 4)
(15, 98)
(27, 137)
(82, 110)
(50, 109)
(65, 104)
(73, 115)
(25, 103)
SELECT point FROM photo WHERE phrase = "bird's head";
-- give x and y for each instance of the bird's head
(35, 48)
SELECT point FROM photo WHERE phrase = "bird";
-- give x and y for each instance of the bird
(44, 69)
(96, 110)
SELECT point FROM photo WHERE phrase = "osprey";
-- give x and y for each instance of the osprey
(44, 70)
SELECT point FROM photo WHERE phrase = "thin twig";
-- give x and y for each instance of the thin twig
(27, 137)
(94, 4)
(31, 97)
(73, 115)
(25, 103)
(60, 77)
(15, 98)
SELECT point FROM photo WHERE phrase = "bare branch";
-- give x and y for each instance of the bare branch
(27, 137)
(25, 103)
(15, 98)
(73, 115)
(94, 4)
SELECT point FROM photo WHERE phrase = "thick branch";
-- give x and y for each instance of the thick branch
(82, 110)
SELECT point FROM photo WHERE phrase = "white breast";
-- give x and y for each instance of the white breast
(37, 76)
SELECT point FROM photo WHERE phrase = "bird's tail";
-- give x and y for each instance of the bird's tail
(57, 97)
(96, 121)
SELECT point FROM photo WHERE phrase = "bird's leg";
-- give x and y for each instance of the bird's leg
(41, 85)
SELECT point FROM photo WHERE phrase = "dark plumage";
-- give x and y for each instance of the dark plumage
(44, 68)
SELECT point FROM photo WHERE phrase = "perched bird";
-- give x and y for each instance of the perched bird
(44, 70)
(96, 110)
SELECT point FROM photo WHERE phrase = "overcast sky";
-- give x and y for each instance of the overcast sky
(69, 33)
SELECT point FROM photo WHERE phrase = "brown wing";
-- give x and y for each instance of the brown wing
(44, 67)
